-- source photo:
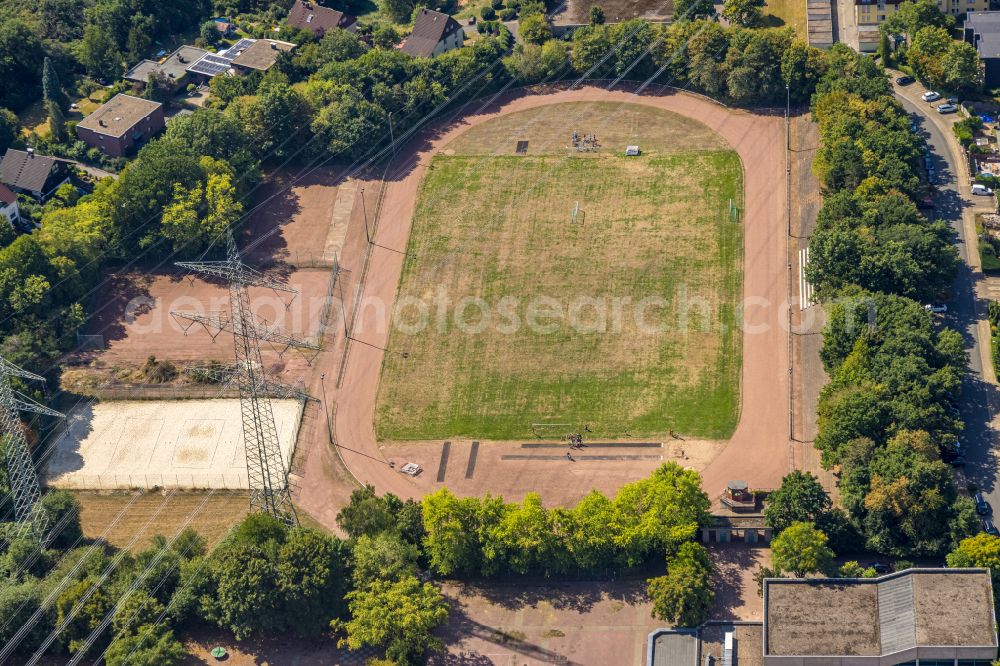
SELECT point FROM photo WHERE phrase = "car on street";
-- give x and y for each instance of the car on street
(930, 307)
(982, 506)
(947, 108)
(930, 96)
(989, 527)
(905, 80)
(978, 188)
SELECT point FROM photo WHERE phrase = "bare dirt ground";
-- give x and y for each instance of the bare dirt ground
(134, 318)
(808, 377)
(587, 623)
(759, 449)
(309, 217)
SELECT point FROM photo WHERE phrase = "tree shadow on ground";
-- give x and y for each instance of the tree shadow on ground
(732, 564)
(579, 596)
(462, 627)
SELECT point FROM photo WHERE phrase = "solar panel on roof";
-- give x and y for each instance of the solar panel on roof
(211, 64)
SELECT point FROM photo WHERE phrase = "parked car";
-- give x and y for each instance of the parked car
(879, 567)
(978, 188)
(930, 96)
(905, 80)
(954, 100)
(947, 108)
(982, 506)
(989, 527)
(930, 307)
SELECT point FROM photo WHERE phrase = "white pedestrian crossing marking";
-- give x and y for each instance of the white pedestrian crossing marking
(806, 295)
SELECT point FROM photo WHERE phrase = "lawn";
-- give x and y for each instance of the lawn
(130, 520)
(558, 325)
(790, 13)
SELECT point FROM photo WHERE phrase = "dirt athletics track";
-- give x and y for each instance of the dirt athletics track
(759, 449)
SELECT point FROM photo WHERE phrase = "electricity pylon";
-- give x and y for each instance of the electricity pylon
(24, 487)
(268, 475)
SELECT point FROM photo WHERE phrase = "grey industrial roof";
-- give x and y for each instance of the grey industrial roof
(173, 67)
(26, 171)
(118, 115)
(675, 648)
(986, 26)
(429, 28)
(878, 616)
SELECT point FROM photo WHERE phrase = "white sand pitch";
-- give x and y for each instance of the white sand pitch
(165, 443)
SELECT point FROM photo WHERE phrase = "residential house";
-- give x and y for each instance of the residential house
(121, 124)
(172, 70)
(224, 26)
(246, 55)
(873, 12)
(318, 19)
(433, 34)
(982, 30)
(27, 172)
(916, 617)
(8, 206)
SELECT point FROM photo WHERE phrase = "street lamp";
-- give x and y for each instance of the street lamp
(392, 137)
(329, 427)
(365, 209)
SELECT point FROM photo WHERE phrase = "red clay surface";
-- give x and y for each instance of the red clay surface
(759, 449)
(135, 320)
(301, 213)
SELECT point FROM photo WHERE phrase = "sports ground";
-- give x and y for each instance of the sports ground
(511, 217)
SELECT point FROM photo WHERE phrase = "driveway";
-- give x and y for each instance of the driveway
(969, 297)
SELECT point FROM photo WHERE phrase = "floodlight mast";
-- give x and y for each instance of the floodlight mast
(24, 487)
(268, 476)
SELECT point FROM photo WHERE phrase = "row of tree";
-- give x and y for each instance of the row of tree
(888, 413)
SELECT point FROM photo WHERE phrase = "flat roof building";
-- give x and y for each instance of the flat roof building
(942, 617)
(120, 124)
(173, 68)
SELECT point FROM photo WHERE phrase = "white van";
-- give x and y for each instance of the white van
(981, 189)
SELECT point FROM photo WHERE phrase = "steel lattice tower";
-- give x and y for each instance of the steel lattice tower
(24, 487)
(268, 475)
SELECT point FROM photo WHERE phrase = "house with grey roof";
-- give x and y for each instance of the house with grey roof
(27, 172)
(433, 34)
(982, 30)
(172, 71)
(916, 617)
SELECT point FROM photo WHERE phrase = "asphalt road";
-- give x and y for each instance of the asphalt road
(977, 394)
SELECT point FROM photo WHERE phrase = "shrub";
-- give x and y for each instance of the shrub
(496, 4)
(488, 13)
(508, 14)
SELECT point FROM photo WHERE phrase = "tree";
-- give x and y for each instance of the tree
(62, 514)
(398, 615)
(852, 569)
(684, 596)
(746, 13)
(150, 645)
(398, 10)
(801, 549)
(452, 542)
(21, 56)
(596, 15)
(99, 54)
(910, 17)
(208, 32)
(523, 540)
(52, 91)
(62, 20)
(884, 50)
(248, 595)
(212, 133)
(10, 129)
(689, 10)
(384, 557)
(960, 67)
(535, 29)
(982, 550)
(800, 498)
(311, 574)
(57, 122)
